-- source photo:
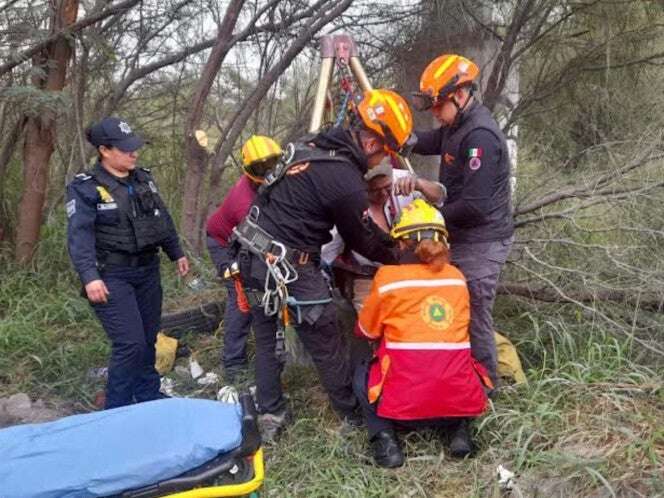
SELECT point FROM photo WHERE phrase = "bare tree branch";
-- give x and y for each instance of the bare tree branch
(236, 125)
(74, 28)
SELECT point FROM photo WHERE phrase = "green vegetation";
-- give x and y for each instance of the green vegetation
(588, 424)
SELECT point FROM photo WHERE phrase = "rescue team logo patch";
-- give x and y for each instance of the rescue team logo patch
(297, 168)
(104, 195)
(437, 313)
(474, 156)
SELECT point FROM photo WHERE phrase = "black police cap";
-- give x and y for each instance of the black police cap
(114, 132)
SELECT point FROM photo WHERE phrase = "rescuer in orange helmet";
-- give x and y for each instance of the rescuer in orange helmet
(475, 169)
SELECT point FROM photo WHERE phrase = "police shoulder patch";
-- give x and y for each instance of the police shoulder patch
(71, 208)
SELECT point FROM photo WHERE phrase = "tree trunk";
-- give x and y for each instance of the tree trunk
(40, 134)
(197, 156)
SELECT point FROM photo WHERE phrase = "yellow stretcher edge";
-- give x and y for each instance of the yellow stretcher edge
(230, 489)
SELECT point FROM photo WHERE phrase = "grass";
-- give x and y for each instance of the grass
(589, 423)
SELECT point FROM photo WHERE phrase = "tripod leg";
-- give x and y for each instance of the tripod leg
(358, 72)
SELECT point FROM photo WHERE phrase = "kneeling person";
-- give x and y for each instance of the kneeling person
(422, 371)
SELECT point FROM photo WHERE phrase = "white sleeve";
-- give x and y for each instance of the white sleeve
(333, 248)
(407, 199)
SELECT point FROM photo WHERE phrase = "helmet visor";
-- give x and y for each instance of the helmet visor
(259, 169)
(421, 101)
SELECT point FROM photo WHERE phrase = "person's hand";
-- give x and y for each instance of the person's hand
(183, 266)
(405, 185)
(96, 291)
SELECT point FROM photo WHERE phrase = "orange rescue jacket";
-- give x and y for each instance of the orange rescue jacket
(423, 367)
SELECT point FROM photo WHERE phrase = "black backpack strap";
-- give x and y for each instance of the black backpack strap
(298, 153)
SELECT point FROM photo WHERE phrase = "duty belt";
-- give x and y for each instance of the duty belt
(299, 257)
(122, 259)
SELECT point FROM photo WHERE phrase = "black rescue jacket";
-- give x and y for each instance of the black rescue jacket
(475, 169)
(313, 196)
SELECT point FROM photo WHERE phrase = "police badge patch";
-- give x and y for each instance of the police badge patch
(124, 128)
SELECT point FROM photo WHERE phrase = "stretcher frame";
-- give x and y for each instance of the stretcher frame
(247, 458)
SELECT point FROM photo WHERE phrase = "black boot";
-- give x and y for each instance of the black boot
(386, 450)
(460, 444)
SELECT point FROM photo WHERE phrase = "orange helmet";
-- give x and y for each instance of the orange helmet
(387, 113)
(443, 76)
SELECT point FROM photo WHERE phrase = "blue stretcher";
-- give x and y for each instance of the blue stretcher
(169, 447)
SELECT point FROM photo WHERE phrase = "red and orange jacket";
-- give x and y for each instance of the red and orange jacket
(423, 367)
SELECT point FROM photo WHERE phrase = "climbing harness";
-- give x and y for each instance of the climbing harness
(280, 272)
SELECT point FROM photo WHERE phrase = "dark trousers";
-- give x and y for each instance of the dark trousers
(236, 323)
(131, 319)
(358, 349)
(318, 333)
(375, 423)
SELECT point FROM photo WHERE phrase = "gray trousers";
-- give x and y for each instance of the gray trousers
(481, 263)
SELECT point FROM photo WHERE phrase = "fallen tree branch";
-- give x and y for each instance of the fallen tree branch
(646, 301)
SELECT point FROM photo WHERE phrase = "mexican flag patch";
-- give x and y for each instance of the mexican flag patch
(475, 152)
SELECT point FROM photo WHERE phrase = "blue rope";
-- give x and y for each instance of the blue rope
(342, 112)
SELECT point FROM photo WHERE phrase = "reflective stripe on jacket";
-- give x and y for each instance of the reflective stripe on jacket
(423, 367)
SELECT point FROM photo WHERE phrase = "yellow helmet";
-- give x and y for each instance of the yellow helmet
(387, 113)
(420, 220)
(259, 155)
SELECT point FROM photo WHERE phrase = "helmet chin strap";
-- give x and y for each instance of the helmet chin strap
(358, 140)
(460, 109)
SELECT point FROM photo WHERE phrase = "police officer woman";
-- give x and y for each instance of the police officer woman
(117, 223)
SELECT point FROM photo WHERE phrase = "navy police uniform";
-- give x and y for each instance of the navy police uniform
(116, 227)
(475, 169)
(299, 211)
